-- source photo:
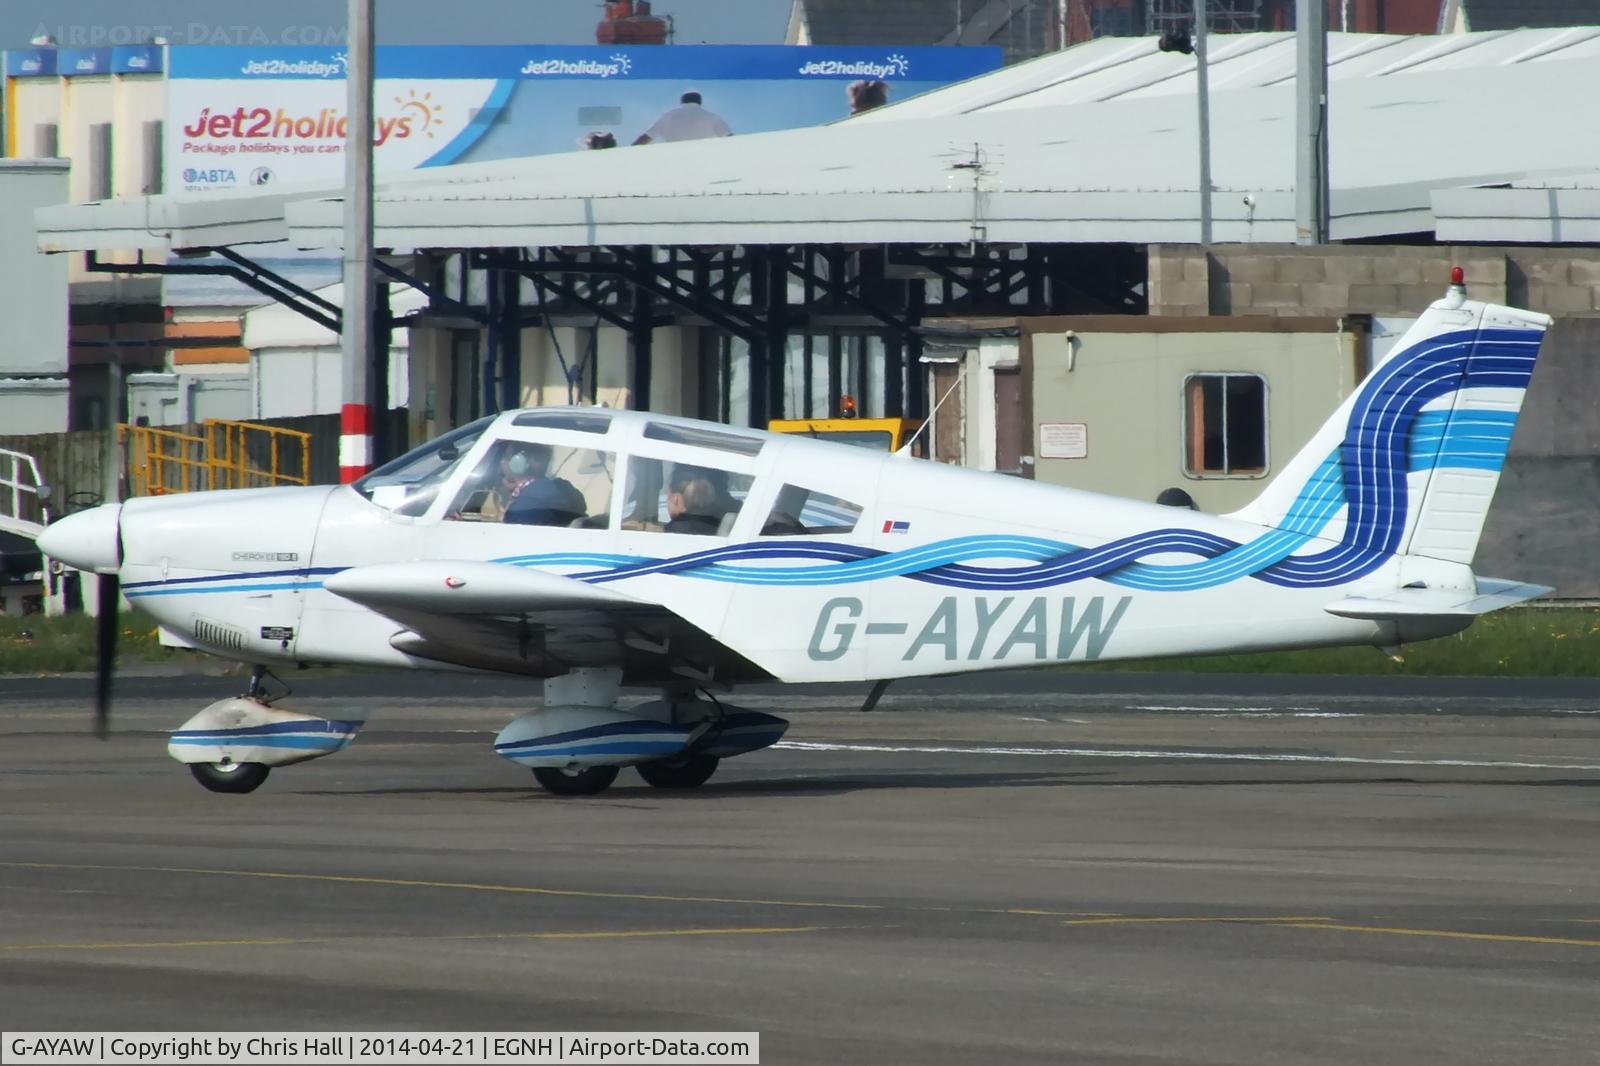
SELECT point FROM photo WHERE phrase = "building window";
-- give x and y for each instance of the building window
(1225, 425)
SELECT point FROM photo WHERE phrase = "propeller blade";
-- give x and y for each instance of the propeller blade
(106, 625)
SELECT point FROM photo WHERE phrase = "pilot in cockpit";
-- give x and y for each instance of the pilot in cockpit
(523, 492)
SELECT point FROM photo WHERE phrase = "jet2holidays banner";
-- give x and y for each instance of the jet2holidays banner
(257, 116)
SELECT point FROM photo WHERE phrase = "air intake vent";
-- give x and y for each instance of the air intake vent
(216, 635)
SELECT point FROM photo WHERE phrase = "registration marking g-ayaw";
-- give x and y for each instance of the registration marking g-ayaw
(980, 627)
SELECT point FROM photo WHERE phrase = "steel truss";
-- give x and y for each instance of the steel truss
(768, 300)
(767, 304)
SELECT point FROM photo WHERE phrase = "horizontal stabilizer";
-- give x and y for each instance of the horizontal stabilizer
(444, 586)
(1491, 595)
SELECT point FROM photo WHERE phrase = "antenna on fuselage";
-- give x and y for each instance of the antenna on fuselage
(905, 449)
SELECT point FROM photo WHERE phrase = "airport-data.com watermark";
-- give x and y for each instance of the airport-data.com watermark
(99, 35)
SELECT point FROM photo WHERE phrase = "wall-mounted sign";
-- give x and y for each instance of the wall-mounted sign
(1063, 440)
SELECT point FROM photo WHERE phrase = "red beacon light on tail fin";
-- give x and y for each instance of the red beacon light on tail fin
(1456, 295)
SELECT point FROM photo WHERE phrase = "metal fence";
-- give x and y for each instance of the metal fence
(22, 504)
(223, 454)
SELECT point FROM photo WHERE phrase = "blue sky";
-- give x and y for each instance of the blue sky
(320, 22)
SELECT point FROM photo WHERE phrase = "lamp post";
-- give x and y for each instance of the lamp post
(1177, 41)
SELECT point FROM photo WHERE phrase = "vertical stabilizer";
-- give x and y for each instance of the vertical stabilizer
(1408, 464)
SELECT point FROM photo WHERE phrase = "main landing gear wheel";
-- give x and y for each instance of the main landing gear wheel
(691, 771)
(230, 777)
(586, 782)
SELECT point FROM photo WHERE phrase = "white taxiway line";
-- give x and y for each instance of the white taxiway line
(1220, 756)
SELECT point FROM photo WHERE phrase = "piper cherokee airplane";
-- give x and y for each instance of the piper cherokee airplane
(595, 549)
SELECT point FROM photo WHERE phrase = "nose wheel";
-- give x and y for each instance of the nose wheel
(560, 781)
(231, 776)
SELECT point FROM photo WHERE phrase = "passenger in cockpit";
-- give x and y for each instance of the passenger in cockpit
(694, 502)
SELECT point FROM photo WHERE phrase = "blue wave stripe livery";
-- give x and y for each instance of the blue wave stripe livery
(610, 729)
(623, 748)
(309, 725)
(300, 571)
(1390, 435)
(274, 586)
(333, 742)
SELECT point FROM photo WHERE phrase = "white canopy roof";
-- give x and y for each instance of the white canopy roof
(1097, 143)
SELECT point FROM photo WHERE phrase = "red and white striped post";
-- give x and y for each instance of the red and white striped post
(355, 418)
(355, 441)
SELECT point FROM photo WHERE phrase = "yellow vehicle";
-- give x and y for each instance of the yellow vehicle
(883, 434)
(880, 434)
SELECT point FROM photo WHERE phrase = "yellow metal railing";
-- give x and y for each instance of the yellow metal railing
(223, 455)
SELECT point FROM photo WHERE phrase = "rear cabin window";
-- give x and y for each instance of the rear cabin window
(699, 437)
(667, 497)
(580, 421)
(801, 512)
(1225, 425)
(530, 484)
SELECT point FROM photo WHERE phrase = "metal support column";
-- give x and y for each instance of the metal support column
(383, 429)
(775, 334)
(490, 366)
(356, 412)
(509, 327)
(1203, 93)
(642, 330)
(1311, 123)
(760, 357)
(916, 375)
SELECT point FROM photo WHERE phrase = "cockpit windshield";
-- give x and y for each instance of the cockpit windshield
(408, 485)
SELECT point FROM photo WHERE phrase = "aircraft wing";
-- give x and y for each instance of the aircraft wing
(494, 616)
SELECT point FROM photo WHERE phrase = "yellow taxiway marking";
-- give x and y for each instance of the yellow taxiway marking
(599, 934)
(1049, 914)
(1325, 922)
(567, 892)
(1271, 919)
(468, 886)
(1449, 934)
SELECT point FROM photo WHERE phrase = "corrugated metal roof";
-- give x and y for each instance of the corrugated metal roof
(1560, 210)
(1112, 68)
(1095, 144)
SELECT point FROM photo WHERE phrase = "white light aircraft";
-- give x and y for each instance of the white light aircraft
(596, 549)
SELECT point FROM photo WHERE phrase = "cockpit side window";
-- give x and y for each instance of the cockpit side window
(408, 485)
(800, 512)
(519, 482)
(668, 497)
